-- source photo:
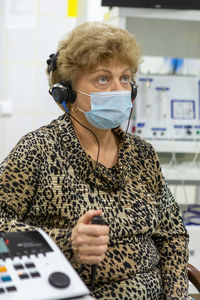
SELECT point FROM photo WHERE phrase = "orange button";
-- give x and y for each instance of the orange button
(3, 269)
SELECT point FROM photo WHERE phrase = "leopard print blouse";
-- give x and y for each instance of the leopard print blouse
(48, 181)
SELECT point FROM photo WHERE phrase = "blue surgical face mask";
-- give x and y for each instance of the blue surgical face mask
(108, 109)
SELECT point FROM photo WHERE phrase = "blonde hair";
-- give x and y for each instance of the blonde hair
(93, 43)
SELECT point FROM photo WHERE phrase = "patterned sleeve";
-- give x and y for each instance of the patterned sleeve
(171, 240)
(19, 177)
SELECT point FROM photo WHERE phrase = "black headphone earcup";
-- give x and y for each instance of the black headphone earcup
(59, 94)
(62, 91)
(133, 90)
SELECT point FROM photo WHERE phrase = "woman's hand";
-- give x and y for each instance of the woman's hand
(89, 241)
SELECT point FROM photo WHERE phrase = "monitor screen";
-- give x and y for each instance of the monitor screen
(3, 246)
(22, 243)
(173, 4)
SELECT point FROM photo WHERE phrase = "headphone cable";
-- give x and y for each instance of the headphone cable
(94, 266)
(98, 145)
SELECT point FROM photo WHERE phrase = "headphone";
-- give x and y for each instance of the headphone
(62, 92)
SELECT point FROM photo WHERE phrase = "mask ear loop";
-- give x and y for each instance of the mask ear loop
(85, 95)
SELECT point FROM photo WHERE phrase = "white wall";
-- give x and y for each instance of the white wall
(23, 55)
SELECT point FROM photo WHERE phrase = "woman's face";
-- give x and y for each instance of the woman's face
(113, 76)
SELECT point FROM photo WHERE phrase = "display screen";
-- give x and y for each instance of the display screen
(23, 243)
(3, 246)
(173, 4)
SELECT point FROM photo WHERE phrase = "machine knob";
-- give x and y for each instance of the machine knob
(59, 280)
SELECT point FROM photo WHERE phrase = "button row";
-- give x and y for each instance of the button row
(7, 278)
(27, 265)
(32, 274)
(19, 266)
(8, 289)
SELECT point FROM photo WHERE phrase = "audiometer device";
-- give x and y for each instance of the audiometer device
(168, 107)
(32, 267)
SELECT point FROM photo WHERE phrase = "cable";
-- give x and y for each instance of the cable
(129, 119)
(196, 154)
(95, 220)
(97, 159)
(184, 191)
(126, 131)
(191, 215)
(94, 267)
(98, 145)
(173, 161)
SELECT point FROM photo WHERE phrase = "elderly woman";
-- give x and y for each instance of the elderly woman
(83, 165)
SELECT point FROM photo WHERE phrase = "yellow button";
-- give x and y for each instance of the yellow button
(3, 269)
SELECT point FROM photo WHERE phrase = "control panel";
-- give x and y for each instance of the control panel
(32, 267)
(168, 107)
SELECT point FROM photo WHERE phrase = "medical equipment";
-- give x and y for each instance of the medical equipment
(32, 267)
(167, 107)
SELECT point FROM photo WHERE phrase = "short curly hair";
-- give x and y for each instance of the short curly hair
(90, 44)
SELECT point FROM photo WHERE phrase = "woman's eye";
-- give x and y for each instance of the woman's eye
(125, 79)
(102, 80)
